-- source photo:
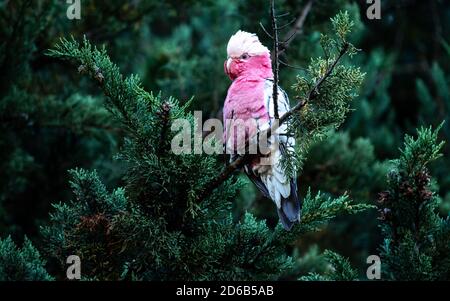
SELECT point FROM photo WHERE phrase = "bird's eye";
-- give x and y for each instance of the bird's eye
(244, 56)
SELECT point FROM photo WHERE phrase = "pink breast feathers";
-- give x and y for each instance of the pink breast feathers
(244, 111)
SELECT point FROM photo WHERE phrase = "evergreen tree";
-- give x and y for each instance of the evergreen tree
(48, 124)
(416, 237)
(435, 100)
(53, 120)
(339, 269)
(176, 234)
(21, 264)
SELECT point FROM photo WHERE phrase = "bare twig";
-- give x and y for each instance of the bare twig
(276, 64)
(286, 25)
(290, 35)
(283, 15)
(241, 160)
(290, 66)
(265, 30)
(222, 177)
(288, 39)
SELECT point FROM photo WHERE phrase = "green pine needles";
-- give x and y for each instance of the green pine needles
(339, 270)
(21, 263)
(416, 238)
(88, 163)
(326, 88)
(155, 227)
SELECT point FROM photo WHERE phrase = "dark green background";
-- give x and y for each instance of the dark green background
(52, 119)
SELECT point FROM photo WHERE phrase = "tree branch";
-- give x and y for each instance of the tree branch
(276, 64)
(291, 34)
(265, 30)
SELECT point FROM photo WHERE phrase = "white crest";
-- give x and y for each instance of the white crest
(244, 42)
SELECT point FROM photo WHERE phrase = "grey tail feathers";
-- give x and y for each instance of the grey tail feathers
(290, 211)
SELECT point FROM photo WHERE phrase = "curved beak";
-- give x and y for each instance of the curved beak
(226, 67)
(229, 63)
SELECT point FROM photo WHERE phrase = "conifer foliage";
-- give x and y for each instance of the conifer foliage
(21, 263)
(87, 167)
(416, 238)
(155, 227)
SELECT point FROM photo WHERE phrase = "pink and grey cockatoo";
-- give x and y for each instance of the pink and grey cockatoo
(250, 97)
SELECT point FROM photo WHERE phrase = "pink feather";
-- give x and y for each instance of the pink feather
(247, 85)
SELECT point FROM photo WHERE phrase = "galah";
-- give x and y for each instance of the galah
(250, 97)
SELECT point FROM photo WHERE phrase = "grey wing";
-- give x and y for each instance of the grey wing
(283, 107)
(274, 184)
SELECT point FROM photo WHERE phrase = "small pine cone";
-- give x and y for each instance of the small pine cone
(165, 106)
(425, 194)
(164, 111)
(422, 178)
(95, 223)
(383, 197)
(385, 214)
(99, 76)
(406, 189)
(82, 69)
